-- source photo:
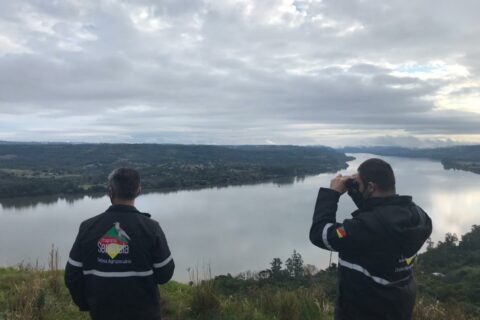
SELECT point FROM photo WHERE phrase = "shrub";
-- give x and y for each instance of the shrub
(204, 301)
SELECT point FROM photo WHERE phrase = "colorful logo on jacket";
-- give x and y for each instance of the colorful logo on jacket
(341, 232)
(408, 261)
(114, 242)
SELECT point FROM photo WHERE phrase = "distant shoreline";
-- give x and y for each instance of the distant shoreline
(67, 170)
(465, 158)
(52, 198)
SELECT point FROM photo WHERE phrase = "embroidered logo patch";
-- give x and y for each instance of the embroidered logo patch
(341, 232)
(405, 263)
(410, 260)
(114, 242)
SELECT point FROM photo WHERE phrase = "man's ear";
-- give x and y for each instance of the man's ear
(110, 193)
(371, 187)
(139, 191)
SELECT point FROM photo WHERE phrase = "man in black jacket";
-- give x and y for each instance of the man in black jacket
(377, 246)
(119, 257)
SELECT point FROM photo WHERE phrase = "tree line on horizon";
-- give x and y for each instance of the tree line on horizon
(59, 169)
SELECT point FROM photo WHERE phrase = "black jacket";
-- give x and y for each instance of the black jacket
(115, 264)
(377, 249)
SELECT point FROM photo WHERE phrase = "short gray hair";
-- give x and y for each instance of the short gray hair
(124, 183)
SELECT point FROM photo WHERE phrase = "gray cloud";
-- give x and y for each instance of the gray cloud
(301, 72)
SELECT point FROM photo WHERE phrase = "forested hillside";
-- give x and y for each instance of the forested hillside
(45, 169)
(450, 272)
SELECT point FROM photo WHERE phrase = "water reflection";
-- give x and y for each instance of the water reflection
(288, 180)
(238, 228)
(33, 202)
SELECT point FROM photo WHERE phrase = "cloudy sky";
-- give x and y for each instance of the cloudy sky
(241, 71)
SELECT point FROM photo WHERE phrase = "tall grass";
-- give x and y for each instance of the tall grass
(30, 292)
(41, 295)
(261, 303)
(204, 302)
(426, 309)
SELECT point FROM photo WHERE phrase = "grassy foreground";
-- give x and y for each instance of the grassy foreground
(448, 277)
(31, 294)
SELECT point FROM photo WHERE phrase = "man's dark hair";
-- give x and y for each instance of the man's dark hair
(124, 183)
(379, 172)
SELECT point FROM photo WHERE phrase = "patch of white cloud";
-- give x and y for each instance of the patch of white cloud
(147, 20)
(323, 22)
(36, 21)
(128, 110)
(73, 36)
(69, 46)
(456, 77)
(353, 28)
(464, 96)
(84, 32)
(9, 46)
(286, 13)
(278, 13)
(335, 27)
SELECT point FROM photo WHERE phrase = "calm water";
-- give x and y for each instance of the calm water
(238, 228)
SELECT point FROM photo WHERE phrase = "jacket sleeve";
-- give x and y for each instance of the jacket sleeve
(74, 275)
(163, 264)
(351, 235)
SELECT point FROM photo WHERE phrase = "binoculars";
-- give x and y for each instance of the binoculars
(352, 184)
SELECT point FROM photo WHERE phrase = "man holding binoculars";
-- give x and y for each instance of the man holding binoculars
(377, 246)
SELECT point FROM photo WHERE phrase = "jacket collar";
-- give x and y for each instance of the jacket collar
(395, 200)
(122, 207)
(125, 208)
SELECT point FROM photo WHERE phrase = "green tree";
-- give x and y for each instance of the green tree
(294, 265)
(430, 244)
(471, 240)
(276, 268)
(451, 240)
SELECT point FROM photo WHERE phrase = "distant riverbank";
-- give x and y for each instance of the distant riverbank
(466, 158)
(66, 169)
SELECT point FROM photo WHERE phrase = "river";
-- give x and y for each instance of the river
(238, 228)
